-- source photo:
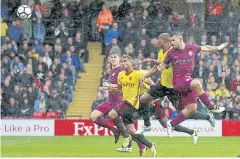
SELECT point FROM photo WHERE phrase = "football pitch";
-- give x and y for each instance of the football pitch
(97, 146)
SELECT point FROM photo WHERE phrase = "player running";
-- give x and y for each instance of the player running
(182, 58)
(142, 111)
(129, 83)
(114, 97)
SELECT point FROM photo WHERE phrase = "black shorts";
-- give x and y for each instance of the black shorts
(127, 111)
(158, 91)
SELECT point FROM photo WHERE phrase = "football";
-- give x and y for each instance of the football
(24, 12)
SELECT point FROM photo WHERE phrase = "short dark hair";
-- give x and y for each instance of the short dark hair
(178, 33)
(129, 58)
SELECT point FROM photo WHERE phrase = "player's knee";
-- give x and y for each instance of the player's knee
(192, 109)
(93, 117)
(112, 114)
(145, 99)
(196, 85)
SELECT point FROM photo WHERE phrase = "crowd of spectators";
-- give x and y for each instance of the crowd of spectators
(38, 77)
(38, 74)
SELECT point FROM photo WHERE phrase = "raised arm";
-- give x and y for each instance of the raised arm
(152, 72)
(209, 48)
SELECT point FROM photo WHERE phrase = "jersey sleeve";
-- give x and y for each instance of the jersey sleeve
(168, 58)
(196, 48)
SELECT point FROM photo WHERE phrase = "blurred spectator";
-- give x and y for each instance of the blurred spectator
(81, 47)
(4, 9)
(144, 20)
(4, 28)
(227, 57)
(200, 71)
(12, 108)
(168, 111)
(72, 68)
(67, 20)
(14, 31)
(129, 35)
(223, 79)
(39, 31)
(114, 47)
(37, 45)
(138, 9)
(143, 35)
(61, 31)
(55, 103)
(57, 9)
(213, 41)
(222, 90)
(204, 40)
(16, 94)
(235, 83)
(152, 9)
(131, 18)
(99, 99)
(113, 32)
(104, 20)
(36, 12)
(26, 109)
(124, 9)
(27, 30)
(193, 19)
(129, 50)
(143, 48)
(17, 62)
(46, 59)
(38, 4)
(41, 102)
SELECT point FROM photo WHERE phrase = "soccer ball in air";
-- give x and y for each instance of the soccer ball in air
(24, 12)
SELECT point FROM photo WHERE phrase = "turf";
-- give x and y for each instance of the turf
(96, 146)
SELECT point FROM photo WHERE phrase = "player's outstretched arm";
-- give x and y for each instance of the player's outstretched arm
(153, 61)
(152, 72)
(162, 66)
(209, 48)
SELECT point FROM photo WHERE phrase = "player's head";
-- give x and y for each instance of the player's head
(163, 39)
(176, 40)
(114, 58)
(127, 62)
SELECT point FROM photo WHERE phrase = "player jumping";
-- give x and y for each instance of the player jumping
(163, 88)
(182, 57)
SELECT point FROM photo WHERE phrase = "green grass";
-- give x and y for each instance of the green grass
(96, 146)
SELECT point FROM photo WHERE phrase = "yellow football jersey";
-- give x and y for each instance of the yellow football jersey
(166, 74)
(130, 86)
(144, 87)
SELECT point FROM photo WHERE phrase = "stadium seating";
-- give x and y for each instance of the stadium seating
(39, 115)
(53, 115)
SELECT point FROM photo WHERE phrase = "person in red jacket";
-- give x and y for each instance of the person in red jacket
(105, 19)
(235, 83)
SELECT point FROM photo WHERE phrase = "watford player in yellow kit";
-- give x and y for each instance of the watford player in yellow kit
(163, 88)
(129, 84)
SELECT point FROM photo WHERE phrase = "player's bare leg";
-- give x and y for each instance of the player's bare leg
(184, 114)
(142, 147)
(141, 139)
(196, 85)
(96, 117)
(113, 115)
